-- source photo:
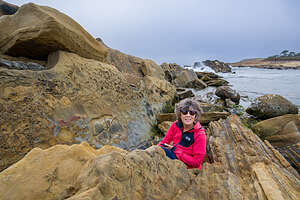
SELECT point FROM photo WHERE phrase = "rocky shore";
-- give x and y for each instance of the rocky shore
(263, 63)
(80, 120)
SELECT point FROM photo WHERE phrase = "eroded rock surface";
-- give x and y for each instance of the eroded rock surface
(36, 31)
(243, 167)
(76, 100)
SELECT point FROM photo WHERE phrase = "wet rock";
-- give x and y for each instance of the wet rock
(225, 92)
(218, 66)
(271, 105)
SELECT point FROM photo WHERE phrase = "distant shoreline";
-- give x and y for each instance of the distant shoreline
(267, 64)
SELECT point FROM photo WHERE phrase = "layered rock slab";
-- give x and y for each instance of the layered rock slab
(76, 100)
(36, 31)
(243, 167)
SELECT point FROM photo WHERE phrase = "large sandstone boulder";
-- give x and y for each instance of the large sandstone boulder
(74, 100)
(271, 105)
(226, 92)
(218, 66)
(36, 31)
(134, 65)
(188, 79)
(243, 167)
(279, 131)
(7, 8)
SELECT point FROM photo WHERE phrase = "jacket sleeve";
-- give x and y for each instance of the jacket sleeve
(169, 135)
(198, 153)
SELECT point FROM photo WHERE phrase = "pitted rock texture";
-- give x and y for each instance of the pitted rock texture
(76, 100)
(243, 167)
(271, 105)
(36, 31)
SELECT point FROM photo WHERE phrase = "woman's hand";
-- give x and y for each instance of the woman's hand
(168, 146)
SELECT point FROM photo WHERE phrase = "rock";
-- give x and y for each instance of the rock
(283, 133)
(181, 77)
(208, 117)
(36, 31)
(210, 75)
(210, 107)
(206, 78)
(78, 171)
(171, 117)
(218, 66)
(171, 70)
(20, 65)
(271, 105)
(217, 83)
(134, 65)
(225, 92)
(7, 8)
(188, 79)
(279, 131)
(242, 167)
(164, 126)
(204, 119)
(291, 154)
(185, 94)
(75, 100)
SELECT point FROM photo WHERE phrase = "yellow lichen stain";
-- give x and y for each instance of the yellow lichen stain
(65, 101)
(65, 135)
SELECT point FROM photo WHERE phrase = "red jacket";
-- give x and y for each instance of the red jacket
(190, 146)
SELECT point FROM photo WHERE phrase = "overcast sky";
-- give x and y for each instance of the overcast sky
(185, 31)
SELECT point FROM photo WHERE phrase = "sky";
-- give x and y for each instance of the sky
(187, 31)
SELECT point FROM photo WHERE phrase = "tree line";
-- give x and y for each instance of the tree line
(285, 55)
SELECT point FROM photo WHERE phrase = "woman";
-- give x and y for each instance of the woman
(187, 135)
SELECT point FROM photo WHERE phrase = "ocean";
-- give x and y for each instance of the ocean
(255, 82)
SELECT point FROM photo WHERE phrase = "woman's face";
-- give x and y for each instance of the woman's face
(187, 116)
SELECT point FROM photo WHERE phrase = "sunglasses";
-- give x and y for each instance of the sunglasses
(185, 111)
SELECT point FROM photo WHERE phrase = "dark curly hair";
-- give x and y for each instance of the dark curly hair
(188, 103)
